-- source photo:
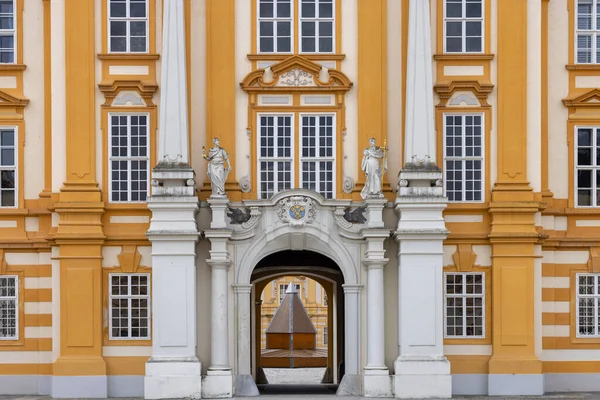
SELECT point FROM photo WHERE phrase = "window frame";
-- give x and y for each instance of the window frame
(317, 20)
(325, 336)
(274, 20)
(147, 158)
(127, 20)
(129, 297)
(465, 158)
(595, 167)
(17, 309)
(14, 167)
(595, 297)
(14, 33)
(259, 159)
(464, 29)
(464, 295)
(595, 34)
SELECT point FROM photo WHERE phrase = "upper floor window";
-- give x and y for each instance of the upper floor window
(465, 305)
(463, 157)
(128, 26)
(129, 159)
(588, 308)
(587, 166)
(587, 30)
(276, 26)
(277, 160)
(8, 167)
(129, 301)
(283, 288)
(7, 31)
(9, 307)
(463, 26)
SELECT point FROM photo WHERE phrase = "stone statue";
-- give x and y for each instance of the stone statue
(217, 173)
(373, 170)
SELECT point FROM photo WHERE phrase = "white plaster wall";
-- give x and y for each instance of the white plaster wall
(534, 94)
(198, 88)
(59, 166)
(99, 97)
(395, 88)
(558, 89)
(350, 68)
(33, 88)
(493, 98)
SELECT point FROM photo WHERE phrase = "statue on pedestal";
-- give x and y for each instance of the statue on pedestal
(373, 170)
(217, 173)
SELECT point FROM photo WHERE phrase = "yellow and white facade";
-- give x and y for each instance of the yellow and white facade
(120, 276)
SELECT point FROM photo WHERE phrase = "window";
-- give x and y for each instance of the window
(463, 157)
(8, 167)
(128, 26)
(9, 307)
(276, 26)
(587, 166)
(463, 26)
(129, 157)
(7, 31)
(588, 297)
(283, 287)
(465, 305)
(129, 301)
(276, 154)
(325, 336)
(587, 29)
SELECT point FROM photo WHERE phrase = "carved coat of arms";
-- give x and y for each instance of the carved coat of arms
(296, 210)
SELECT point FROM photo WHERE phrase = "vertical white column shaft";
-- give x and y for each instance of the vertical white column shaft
(242, 293)
(352, 312)
(219, 352)
(375, 321)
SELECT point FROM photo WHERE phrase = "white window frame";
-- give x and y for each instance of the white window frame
(317, 20)
(464, 296)
(594, 33)
(464, 29)
(129, 158)
(13, 33)
(129, 297)
(17, 311)
(595, 297)
(325, 336)
(283, 288)
(127, 19)
(292, 158)
(274, 21)
(463, 157)
(595, 187)
(15, 166)
(317, 159)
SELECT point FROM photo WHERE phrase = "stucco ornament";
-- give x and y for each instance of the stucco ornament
(296, 210)
(217, 172)
(374, 165)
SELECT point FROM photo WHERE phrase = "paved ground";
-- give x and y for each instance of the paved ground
(295, 395)
(299, 376)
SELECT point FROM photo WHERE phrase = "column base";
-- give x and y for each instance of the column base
(351, 385)
(173, 378)
(423, 377)
(515, 384)
(217, 384)
(377, 383)
(245, 386)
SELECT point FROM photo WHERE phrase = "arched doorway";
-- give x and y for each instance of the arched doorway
(325, 272)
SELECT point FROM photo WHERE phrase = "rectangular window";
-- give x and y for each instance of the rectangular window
(465, 305)
(9, 307)
(8, 31)
(317, 154)
(282, 289)
(463, 26)
(463, 157)
(129, 301)
(317, 26)
(588, 297)
(128, 26)
(129, 158)
(587, 30)
(275, 141)
(275, 26)
(8, 167)
(587, 166)
(325, 336)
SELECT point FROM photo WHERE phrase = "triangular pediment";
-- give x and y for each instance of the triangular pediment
(7, 100)
(587, 99)
(296, 73)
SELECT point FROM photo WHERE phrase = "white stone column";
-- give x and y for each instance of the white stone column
(218, 382)
(174, 370)
(244, 383)
(351, 384)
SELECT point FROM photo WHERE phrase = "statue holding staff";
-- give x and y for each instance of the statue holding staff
(373, 170)
(217, 173)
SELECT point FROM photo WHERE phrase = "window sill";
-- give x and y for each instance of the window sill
(467, 206)
(583, 340)
(13, 211)
(127, 342)
(583, 67)
(583, 211)
(13, 67)
(126, 206)
(463, 57)
(129, 56)
(310, 56)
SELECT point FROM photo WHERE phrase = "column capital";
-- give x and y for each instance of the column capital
(375, 263)
(352, 288)
(239, 288)
(219, 264)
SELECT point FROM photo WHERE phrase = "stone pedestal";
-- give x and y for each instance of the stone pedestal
(173, 371)
(421, 370)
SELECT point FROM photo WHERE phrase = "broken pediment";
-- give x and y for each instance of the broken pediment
(447, 90)
(296, 73)
(119, 93)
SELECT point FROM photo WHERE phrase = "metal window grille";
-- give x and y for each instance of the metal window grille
(9, 307)
(463, 26)
(317, 162)
(129, 158)
(588, 299)
(275, 26)
(317, 26)
(464, 310)
(128, 26)
(129, 301)
(275, 149)
(587, 167)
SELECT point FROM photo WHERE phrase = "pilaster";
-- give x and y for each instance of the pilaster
(351, 384)
(244, 383)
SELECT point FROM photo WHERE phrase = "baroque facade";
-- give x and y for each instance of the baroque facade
(466, 260)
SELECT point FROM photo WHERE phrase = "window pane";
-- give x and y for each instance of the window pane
(266, 9)
(325, 9)
(118, 9)
(308, 9)
(7, 138)
(137, 9)
(473, 9)
(453, 9)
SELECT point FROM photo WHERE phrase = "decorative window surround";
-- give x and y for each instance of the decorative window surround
(129, 302)
(9, 307)
(464, 311)
(463, 26)
(587, 305)
(587, 32)
(587, 166)
(8, 32)
(128, 26)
